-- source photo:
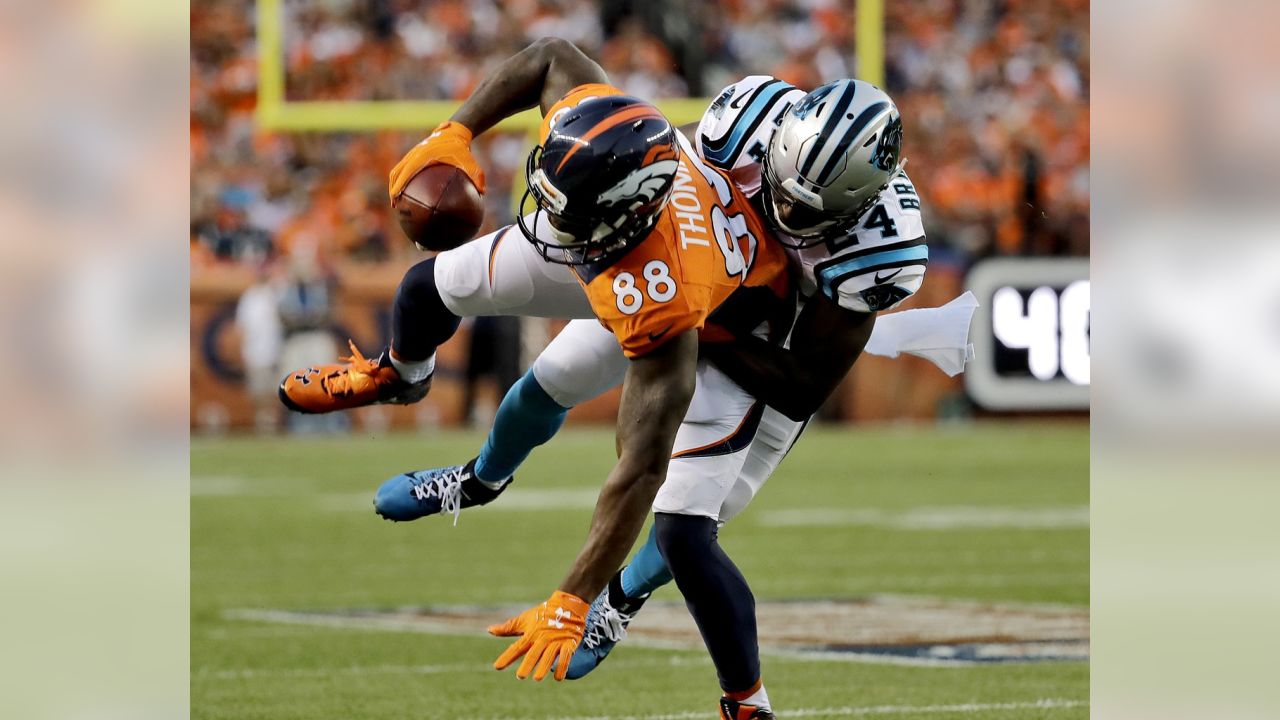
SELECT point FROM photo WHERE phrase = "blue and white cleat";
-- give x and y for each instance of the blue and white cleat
(607, 620)
(435, 490)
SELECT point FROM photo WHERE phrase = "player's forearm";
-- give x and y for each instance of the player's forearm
(825, 342)
(620, 513)
(515, 85)
(655, 397)
(548, 67)
(770, 373)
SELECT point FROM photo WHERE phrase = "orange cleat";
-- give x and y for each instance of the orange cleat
(734, 710)
(357, 382)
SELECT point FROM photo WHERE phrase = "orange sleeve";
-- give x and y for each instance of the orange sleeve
(572, 98)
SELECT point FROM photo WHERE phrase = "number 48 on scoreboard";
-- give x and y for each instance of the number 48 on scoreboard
(1031, 335)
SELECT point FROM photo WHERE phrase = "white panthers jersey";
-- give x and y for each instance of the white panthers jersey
(879, 263)
(734, 132)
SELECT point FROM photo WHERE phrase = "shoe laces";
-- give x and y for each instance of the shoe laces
(606, 623)
(360, 368)
(446, 486)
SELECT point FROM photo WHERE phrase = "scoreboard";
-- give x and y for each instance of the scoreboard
(1030, 334)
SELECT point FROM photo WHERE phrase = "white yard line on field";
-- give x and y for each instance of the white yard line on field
(224, 485)
(931, 518)
(386, 624)
(524, 499)
(517, 499)
(863, 711)
(323, 672)
(915, 600)
(513, 500)
(246, 673)
(929, 582)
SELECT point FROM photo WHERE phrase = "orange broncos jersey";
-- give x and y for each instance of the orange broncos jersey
(708, 263)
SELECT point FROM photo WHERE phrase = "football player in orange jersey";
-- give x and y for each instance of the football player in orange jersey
(857, 246)
(631, 228)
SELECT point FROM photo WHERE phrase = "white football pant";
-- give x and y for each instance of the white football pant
(727, 445)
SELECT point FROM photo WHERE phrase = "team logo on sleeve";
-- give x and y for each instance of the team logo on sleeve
(880, 297)
(717, 106)
(643, 185)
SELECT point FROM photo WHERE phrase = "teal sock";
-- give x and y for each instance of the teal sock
(647, 571)
(527, 418)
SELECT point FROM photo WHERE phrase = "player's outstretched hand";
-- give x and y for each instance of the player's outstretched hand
(448, 144)
(547, 632)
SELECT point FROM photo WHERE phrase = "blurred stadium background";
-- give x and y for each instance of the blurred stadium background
(300, 107)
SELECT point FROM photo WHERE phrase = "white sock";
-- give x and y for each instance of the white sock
(759, 698)
(414, 372)
(492, 485)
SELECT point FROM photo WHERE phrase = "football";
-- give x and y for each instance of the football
(440, 208)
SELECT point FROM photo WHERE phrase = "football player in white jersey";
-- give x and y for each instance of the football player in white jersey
(825, 169)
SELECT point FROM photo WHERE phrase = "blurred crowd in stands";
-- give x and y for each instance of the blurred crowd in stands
(994, 95)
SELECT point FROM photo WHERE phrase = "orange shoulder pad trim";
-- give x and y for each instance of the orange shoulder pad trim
(572, 98)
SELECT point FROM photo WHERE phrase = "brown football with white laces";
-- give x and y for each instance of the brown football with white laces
(440, 208)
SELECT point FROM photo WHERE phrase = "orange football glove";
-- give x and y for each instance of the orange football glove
(448, 144)
(548, 631)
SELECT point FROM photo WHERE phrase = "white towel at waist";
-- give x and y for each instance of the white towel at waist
(939, 335)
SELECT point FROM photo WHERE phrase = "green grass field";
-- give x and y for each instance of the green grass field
(281, 523)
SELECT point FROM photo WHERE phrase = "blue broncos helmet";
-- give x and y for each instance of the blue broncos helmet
(602, 176)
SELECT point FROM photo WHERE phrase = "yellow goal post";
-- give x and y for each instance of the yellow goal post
(275, 112)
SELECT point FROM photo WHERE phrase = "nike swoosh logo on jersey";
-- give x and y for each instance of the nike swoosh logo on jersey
(737, 101)
(888, 277)
(658, 335)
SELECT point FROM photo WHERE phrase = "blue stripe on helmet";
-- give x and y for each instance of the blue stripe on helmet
(747, 121)
(833, 119)
(828, 173)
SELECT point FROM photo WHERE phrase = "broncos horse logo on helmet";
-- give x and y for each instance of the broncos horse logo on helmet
(602, 176)
(643, 185)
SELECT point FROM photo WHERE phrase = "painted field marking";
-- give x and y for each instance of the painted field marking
(919, 632)
(863, 711)
(221, 486)
(513, 500)
(241, 632)
(931, 518)
(924, 582)
(247, 673)
(322, 672)
(524, 499)
(517, 499)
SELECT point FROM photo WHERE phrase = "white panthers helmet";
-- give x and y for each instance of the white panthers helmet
(834, 153)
